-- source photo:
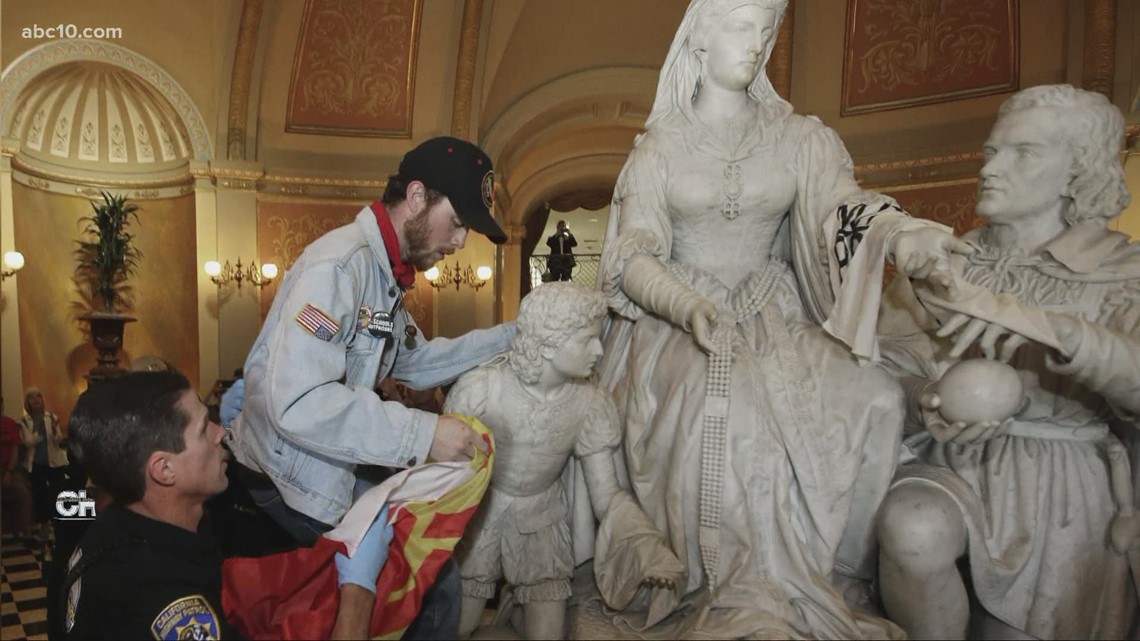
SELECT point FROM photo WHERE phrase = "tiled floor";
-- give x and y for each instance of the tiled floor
(23, 598)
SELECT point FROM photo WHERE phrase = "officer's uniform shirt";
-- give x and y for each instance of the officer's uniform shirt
(144, 579)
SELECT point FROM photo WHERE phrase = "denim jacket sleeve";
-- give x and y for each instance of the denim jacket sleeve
(306, 397)
(442, 360)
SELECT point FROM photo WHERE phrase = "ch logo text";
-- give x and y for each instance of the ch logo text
(73, 505)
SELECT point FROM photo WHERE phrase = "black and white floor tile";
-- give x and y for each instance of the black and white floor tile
(23, 595)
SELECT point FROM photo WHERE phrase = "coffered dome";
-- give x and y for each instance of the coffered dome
(96, 116)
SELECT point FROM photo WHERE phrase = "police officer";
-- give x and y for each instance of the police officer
(148, 567)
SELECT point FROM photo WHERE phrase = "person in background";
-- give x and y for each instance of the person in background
(45, 458)
(16, 493)
(561, 244)
(148, 567)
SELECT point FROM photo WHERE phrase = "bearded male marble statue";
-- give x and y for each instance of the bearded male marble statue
(1040, 503)
(543, 409)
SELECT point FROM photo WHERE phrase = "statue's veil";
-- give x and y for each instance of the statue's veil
(680, 75)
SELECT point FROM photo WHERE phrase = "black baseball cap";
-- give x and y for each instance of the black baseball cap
(462, 172)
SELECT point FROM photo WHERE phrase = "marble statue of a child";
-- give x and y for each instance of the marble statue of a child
(542, 409)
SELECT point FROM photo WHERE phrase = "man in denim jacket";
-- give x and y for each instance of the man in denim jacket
(337, 327)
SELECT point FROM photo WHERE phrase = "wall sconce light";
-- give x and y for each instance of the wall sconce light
(238, 274)
(473, 278)
(13, 262)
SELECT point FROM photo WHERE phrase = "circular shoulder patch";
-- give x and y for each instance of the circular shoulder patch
(187, 618)
(488, 189)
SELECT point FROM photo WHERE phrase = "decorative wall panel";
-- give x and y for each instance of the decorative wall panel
(284, 229)
(950, 204)
(56, 351)
(902, 53)
(354, 68)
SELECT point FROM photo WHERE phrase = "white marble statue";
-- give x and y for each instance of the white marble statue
(754, 439)
(542, 408)
(1039, 503)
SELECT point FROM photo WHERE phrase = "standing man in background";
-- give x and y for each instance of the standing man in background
(561, 244)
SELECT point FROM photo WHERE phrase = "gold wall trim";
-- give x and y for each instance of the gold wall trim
(465, 68)
(1100, 46)
(324, 181)
(88, 190)
(917, 162)
(242, 75)
(178, 177)
(937, 169)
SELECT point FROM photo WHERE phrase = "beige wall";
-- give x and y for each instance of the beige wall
(56, 352)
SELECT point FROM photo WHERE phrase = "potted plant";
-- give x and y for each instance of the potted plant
(107, 257)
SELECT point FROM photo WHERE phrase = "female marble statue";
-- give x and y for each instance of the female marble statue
(753, 439)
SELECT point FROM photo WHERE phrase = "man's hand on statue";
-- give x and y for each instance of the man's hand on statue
(966, 330)
(455, 441)
(957, 432)
(702, 320)
(924, 254)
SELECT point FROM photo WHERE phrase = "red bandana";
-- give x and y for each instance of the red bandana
(405, 273)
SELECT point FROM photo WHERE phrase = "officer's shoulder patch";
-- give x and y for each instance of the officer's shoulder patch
(190, 617)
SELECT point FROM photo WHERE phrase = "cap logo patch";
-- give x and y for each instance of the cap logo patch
(488, 189)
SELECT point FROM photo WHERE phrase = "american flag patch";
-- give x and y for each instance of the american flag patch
(318, 323)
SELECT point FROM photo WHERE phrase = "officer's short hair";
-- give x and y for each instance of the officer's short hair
(118, 423)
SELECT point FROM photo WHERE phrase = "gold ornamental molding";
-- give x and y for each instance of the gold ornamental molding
(1100, 46)
(70, 185)
(465, 68)
(244, 54)
(39, 59)
(292, 187)
(941, 168)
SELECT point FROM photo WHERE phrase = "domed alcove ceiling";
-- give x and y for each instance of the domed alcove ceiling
(98, 118)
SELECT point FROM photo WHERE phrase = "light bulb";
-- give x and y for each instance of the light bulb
(13, 260)
(269, 271)
(213, 268)
(432, 274)
(483, 272)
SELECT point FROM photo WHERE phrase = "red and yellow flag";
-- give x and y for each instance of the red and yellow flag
(294, 595)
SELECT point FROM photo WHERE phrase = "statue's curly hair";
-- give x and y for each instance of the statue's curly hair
(1094, 130)
(547, 317)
